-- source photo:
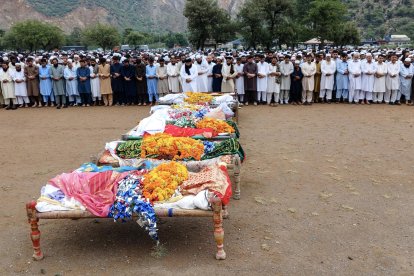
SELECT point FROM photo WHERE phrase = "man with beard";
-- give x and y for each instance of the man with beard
(262, 74)
(188, 75)
(286, 69)
(104, 73)
(7, 86)
(368, 68)
(173, 73)
(392, 95)
(250, 80)
(95, 87)
(317, 89)
(116, 81)
(31, 73)
(46, 83)
(128, 75)
(84, 82)
(406, 77)
(71, 84)
(273, 82)
(328, 69)
(20, 90)
(140, 71)
(210, 65)
(217, 76)
(229, 74)
(379, 81)
(56, 73)
(240, 80)
(308, 81)
(202, 79)
(162, 85)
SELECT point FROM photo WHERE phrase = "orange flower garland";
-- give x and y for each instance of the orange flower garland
(218, 125)
(198, 98)
(161, 183)
(165, 146)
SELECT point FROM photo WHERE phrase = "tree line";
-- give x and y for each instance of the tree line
(33, 35)
(271, 23)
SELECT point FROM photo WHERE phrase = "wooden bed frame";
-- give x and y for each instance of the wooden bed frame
(218, 213)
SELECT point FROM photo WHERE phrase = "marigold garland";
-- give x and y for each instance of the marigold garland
(198, 98)
(165, 146)
(218, 125)
(161, 183)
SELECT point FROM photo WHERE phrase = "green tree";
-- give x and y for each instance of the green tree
(224, 29)
(34, 35)
(251, 23)
(135, 38)
(349, 35)
(325, 18)
(205, 18)
(172, 39)
(104, 36)
(75, 37)
(125, 34)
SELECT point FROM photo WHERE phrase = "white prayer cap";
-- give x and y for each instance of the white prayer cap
(20, 55)
(407, 60)
(17, 64)
(198, 56)
(97, 60)
(156, 58)
(70, 60)
(5, 59)
(328, 55)
(167, 58)
(297, 61)
(75, 55)
(369, 55)
(108, 60)
(122, 59)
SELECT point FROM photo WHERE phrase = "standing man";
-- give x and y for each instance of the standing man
(296, 90)
(342, 79)
(229, 74)
(368, 68)
(46, 83)
(262, 73)
(31, 73)
(217, 76)
(355, 72)
(128, 76)
(116, 82)
(392, 95)
(317, 89)
(379, 80)
(188, 76)
(173, 74)
(70, 76)
(250, 80)
(56, 73)
(20, 89)
(286, 69)
(140, 71)
(151, 75)
(210, 65)
(7, 86)
(328, 69)
(273, 82)
(240, 80)
(162, 78)
(104, 73)
(308, 81)
(406, 77)
(202, 79)
(95, 86)
(83, 75)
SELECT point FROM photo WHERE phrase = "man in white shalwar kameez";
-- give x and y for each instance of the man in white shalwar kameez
(173, 72)
(202, 68)
(20, 89)
(392, 95)
(328, 69)
(308, 81)
(354, 68)
(95, 85)
(239, 81)
(286, 69)
(7, 86)
(379, 81)
(262, 72)
(406, 77)
(189, 74)
(368, 68)
(273, 82)
(71, 84)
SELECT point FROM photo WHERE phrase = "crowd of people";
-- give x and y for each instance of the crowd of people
(140, 78)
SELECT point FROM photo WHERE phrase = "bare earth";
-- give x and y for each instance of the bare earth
(326, 190)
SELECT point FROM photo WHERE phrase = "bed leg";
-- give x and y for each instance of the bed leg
(35, 233)
(218, 228)
(237, 165)
(225, 212)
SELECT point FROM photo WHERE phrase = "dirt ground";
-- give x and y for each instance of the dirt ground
(326, 190)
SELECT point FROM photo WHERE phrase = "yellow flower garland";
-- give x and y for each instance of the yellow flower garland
(198, 98)
(219, 126)
(166, 146)
(161, 183)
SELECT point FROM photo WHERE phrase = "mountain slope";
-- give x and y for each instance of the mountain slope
(375, 18)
